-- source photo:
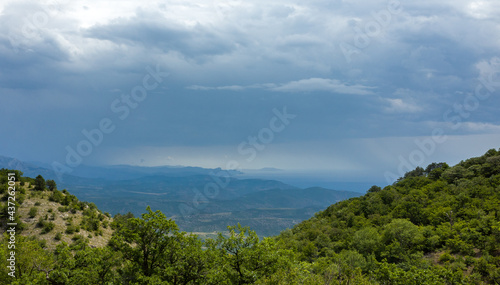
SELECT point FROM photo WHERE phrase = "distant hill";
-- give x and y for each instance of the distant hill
(126, 172)
(29, 169)
(172, 195)
(114, 172)
(268, 206)
(267, 212)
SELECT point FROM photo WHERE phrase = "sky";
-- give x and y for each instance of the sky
(357, 90)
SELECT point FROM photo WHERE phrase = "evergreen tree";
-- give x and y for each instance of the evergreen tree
(39, 183)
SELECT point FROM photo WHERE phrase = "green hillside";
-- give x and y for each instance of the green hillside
(438, 225)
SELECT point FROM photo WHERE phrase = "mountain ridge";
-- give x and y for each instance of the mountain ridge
(195, 197)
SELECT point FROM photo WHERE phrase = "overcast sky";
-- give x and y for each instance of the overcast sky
(352, 88)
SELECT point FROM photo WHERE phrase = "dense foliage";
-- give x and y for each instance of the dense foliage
(438, 225)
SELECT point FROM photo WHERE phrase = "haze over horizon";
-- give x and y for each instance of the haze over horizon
(354, 90)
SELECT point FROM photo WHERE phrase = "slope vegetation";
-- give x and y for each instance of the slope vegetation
(438, 225)
(53, 216)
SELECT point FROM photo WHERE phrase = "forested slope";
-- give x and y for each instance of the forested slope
(438, 225)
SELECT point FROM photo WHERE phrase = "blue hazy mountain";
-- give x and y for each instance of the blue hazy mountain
(199, 199)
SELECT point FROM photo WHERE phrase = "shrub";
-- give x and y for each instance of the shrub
(70, 229)
(40, 223)
(77, 237)
(33, 211)
(47, 227)
(63, 209)
(445, 257)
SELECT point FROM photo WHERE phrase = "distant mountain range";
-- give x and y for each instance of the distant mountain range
(199, 199)
(113, 172)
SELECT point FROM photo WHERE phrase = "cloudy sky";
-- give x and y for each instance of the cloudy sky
(354, 89)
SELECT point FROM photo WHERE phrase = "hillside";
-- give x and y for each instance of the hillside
(438, 225)
(55, 216)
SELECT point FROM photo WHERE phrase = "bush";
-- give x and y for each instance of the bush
(56, 196)
(40, 223)
(58, 236)
(445, 257)
(33, 211)
(47, 227)
(70, 229)
(77, 237)
(63, 209)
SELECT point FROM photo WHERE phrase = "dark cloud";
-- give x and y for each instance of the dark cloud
(231, 63)
(196, 42)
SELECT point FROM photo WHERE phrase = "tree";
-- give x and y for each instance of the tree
(434, 170)
(434, 165)
(366, 241)
(52, 185)
(85, 266)
(39, 183)
(147, 241)
(246, 259)
(374, 189)
(401, 238)
(32, 262)
(419, 171)
(187, 263)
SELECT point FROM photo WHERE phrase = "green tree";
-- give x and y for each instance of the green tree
(33, 263)
(401, 238)
(39, 183)
(51, 184)
(147, 241)
(247, 259)
(85, 266)
(366, 241)
(187, 262)
(374, 188)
